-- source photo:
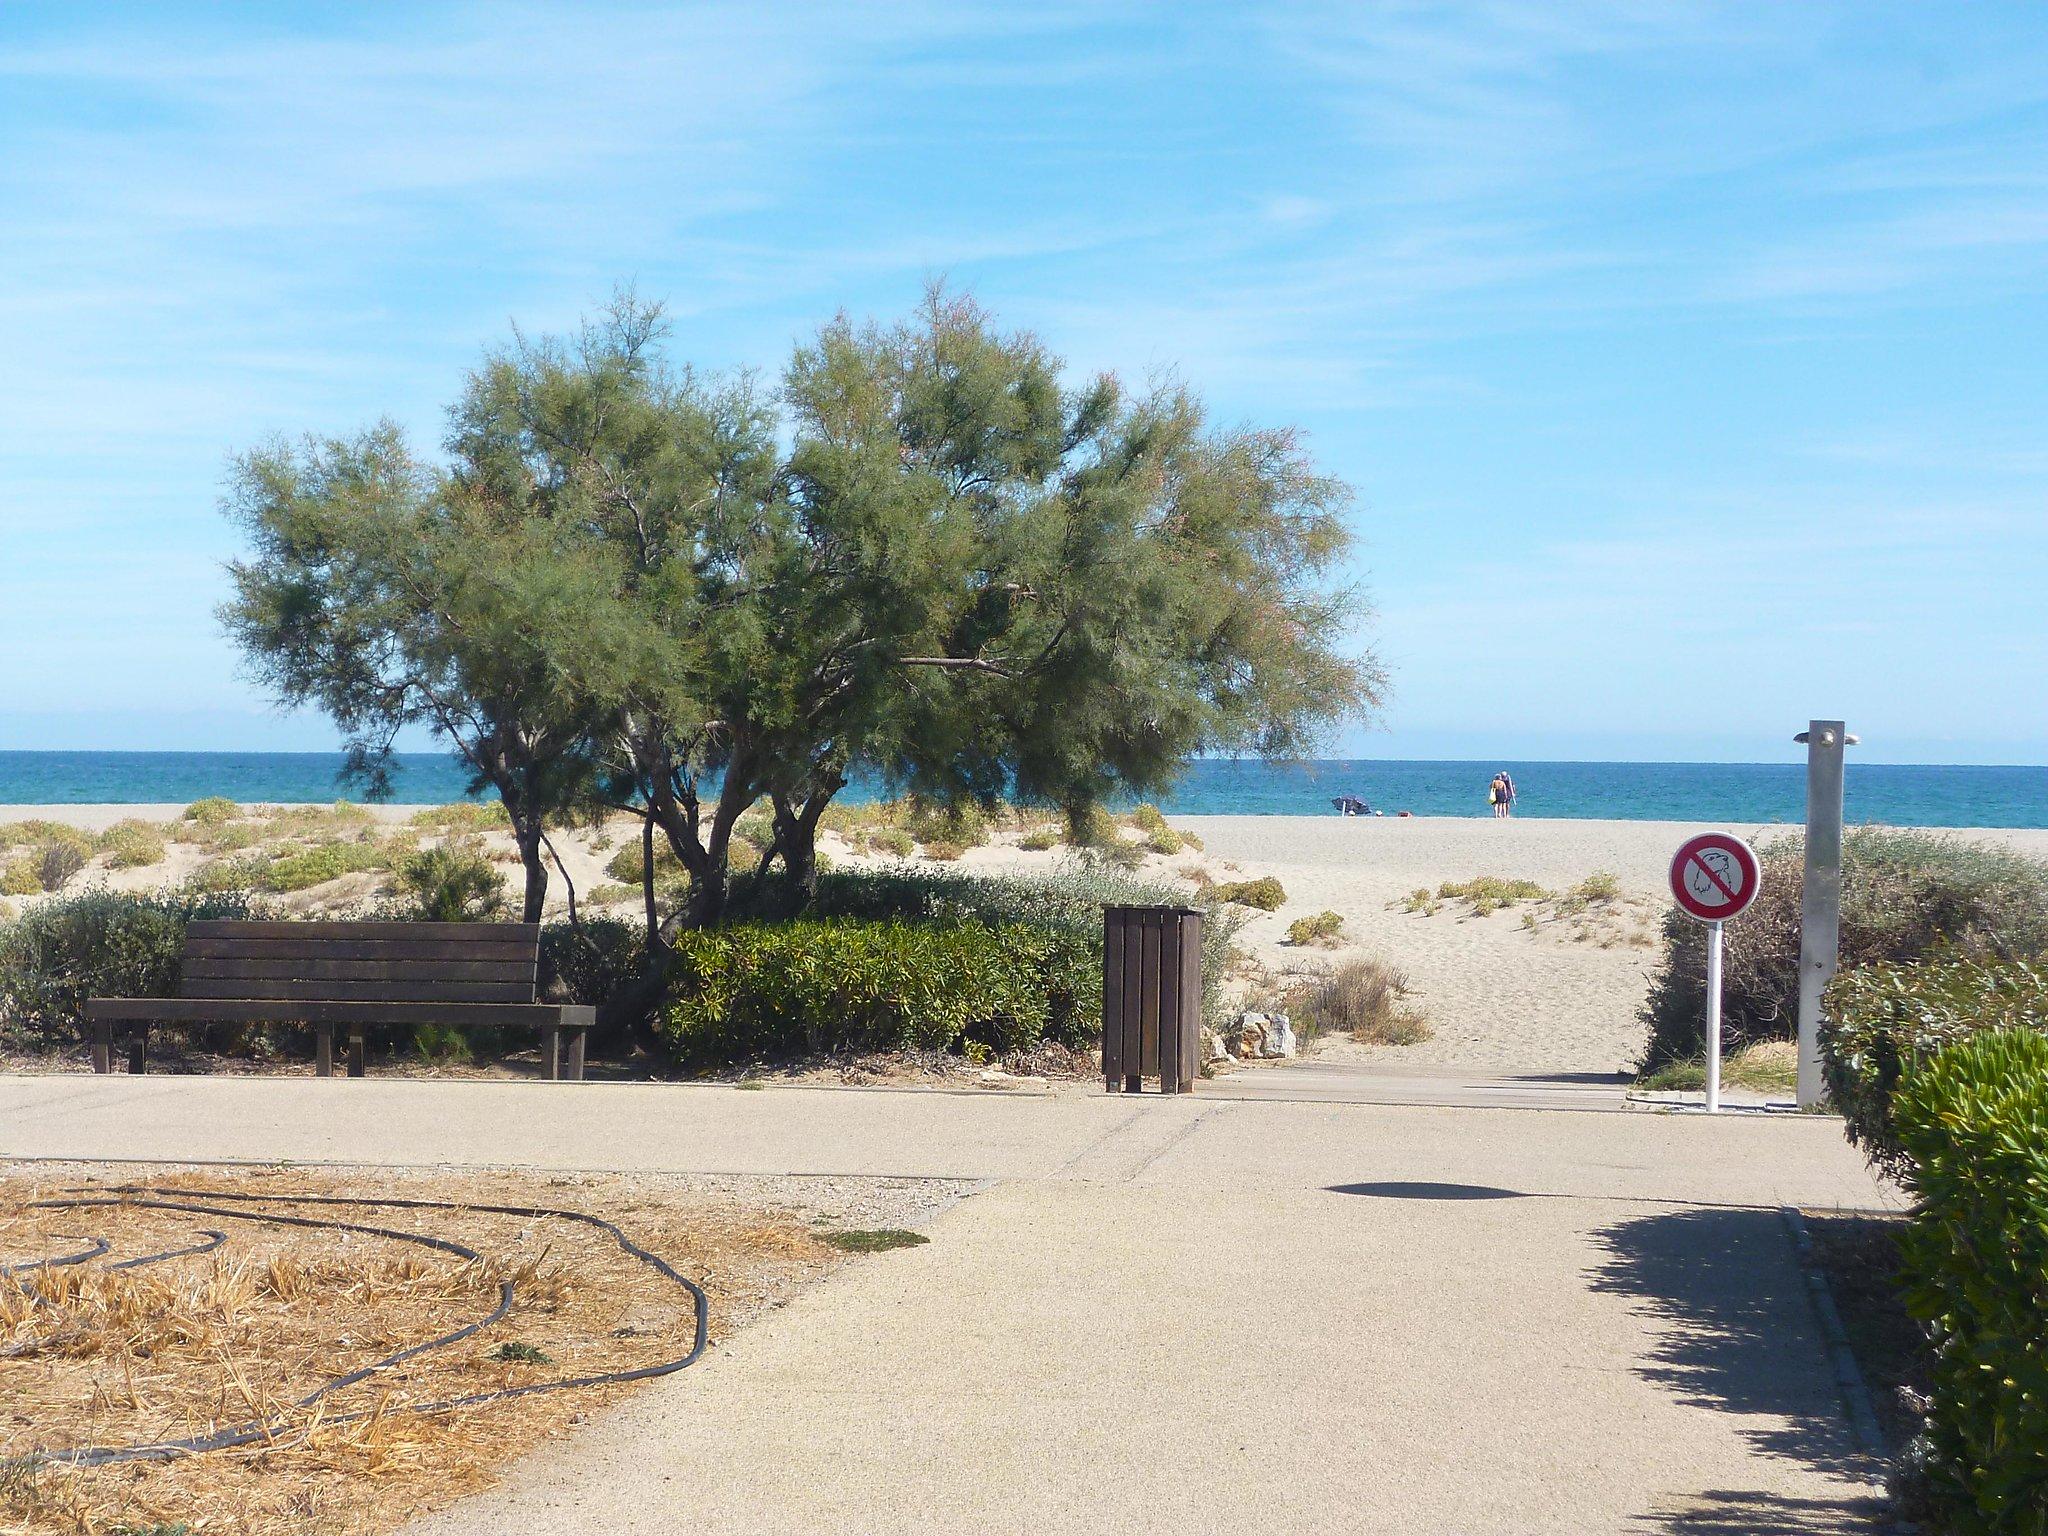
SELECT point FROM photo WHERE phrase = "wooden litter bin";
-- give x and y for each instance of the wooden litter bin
(1151, 998)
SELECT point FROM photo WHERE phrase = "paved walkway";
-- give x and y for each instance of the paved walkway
(1201, 1314)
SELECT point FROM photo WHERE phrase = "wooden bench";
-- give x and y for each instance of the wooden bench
(349, 976)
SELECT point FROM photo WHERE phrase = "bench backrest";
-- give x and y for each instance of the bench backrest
(363, 962)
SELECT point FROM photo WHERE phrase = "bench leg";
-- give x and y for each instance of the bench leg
(103, 1045)
(576, 1054)
(138, 1047)
(551, 1051)
(357, 1053)
(323, 1051)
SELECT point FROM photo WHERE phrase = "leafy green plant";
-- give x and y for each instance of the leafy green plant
(942, 851)
(213, 811)
(1882, 1019)
(451, 884)
(1972, 1124)
(97, 943)
(755, 990)
(56, 863)
(461, 816)
(133, 844)
(1487, 894)
(1265, 893)
(1039, 839)
(596, 961)
(894, 840)
(960, 826)
(21, 877)
(304, 868)
(514, 1351)
(1904, 895)
(1323, 928)
(879, 1240)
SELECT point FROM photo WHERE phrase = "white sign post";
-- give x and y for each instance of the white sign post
(1714, 877)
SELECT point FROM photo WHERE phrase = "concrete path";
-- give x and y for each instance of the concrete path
(1201, 1314)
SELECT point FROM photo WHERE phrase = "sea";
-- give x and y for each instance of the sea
(1923, 795)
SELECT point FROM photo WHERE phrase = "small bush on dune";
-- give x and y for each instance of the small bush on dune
(213, 811)
(1365, 999)
(1039, 839)
(1323, 928)
(1266, 893)
(46, 834)
(1904, 895)
(958, 826)
(894, 840)
(451, 885)
(461, 816)
(944, 852)
(133, 844)
(20, 878)
(304, 868)
(1490, 893)
(56, 863)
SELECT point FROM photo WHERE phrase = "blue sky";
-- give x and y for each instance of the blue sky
(1688, 360)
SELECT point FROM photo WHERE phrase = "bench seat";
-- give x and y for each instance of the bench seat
(349, 976)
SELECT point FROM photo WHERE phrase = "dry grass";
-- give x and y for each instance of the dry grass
(1365, 999)
(92, 1355)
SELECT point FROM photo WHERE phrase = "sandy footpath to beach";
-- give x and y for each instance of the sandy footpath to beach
(1500, 997)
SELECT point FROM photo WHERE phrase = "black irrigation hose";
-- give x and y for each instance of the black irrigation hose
(245, 1434)
(213, 1240)
(99, 1246)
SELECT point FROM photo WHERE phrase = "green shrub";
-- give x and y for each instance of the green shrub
(1039, 839)
(451, 885)
(97, 943)
(944, 852)
(761, 990)
(461, 816)
(611, 894)
(213, 811)
(1973, 1122)
(305, 868)
(1904, 895)
(591, 961)
(1364, 999)
(133, 844)
(1070, 898)
(1881, 1019)
(21, 878)
(1265, 893)
(1320, 929)
(45, 834)
(894, 840)
(57, 862)
(1489, 893)
(961, 826)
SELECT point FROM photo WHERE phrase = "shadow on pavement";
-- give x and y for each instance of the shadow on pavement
(1765, 1514)
(1400, 1190)
(1735, 1333)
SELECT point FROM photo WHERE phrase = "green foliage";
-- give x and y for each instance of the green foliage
(1487, 894)
(894, 840)
(1265, 893)
(959, 827)
(750, 990)
(943, 852)
(1323, 928)
(45, 834)
(1973, 1125)
(880, 1240)
(1070, 898)
(451, 884)
(214, 811)
(1365, 999)
(1904, 895)
(21, 877)
(1881, 1019)
(1039, 839)
(96, 943)
(133, 844)
(460, 816)
(516, 1352)
(52, 853)
(594, 961)
(303, 868)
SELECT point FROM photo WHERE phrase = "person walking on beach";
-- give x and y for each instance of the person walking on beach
(1497, 797)
(1507, 793)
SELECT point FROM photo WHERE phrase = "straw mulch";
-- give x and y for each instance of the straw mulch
(91, 1355)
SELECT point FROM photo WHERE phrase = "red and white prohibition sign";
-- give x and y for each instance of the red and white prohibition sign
(1714, 877)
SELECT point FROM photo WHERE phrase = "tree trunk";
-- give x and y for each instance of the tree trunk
(534, 858)
(796, 835)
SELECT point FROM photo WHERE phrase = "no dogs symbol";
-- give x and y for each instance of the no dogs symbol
(1714, 876)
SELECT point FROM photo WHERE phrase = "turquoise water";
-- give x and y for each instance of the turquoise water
(1743, 793)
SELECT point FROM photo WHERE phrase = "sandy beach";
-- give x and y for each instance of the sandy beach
(1525, 989)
